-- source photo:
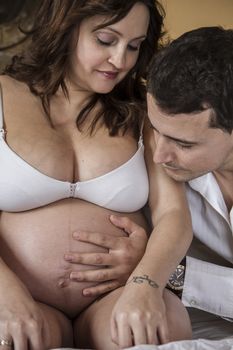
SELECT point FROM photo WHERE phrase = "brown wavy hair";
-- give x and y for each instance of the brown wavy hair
(43, 66)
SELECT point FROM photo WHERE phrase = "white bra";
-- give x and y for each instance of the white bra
(23, 187)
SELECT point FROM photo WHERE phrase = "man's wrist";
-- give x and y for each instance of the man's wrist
(176, 280)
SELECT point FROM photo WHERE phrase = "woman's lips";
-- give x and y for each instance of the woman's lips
(109, 75)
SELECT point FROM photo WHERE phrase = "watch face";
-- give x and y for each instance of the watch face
(176, 280)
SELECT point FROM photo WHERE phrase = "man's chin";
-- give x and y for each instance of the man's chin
(178, 174)
(181, 175)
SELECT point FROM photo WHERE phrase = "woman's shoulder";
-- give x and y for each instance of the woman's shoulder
(17, 98)
(8, 83)
(12, 88)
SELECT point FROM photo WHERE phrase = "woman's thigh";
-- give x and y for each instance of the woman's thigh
(92, 327)
(60, 330)
(178, 317)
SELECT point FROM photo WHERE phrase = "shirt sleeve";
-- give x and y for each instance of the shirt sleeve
(208, 287)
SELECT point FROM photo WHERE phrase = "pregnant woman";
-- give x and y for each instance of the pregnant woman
(73, 129)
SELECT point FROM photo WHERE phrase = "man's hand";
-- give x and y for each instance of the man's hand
(115, 267)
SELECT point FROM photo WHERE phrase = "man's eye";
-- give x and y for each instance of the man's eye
(184, 146)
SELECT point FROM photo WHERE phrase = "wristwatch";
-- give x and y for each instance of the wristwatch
(176, 280)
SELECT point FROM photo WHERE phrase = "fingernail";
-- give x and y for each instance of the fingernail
(86, 293)
(75, 276)
(76, 234)
(68, 257)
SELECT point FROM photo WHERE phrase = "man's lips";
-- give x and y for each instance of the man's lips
(170, 167)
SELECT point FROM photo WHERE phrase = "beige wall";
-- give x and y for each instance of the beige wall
(183, 15)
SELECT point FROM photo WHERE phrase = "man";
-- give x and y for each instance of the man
(190, 107)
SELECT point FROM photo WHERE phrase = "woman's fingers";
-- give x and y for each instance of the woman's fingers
(128, 226)
(96, 259)
(101, 288)
(97, 238)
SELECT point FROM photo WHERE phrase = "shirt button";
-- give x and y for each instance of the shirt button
(193, 302)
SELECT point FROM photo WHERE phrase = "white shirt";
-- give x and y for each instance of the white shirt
(209, 266)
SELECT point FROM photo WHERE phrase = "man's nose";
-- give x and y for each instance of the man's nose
(164, 152)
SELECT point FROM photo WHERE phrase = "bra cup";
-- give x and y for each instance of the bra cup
(23, 187)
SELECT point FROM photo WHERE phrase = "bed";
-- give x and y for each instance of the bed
(198, 344)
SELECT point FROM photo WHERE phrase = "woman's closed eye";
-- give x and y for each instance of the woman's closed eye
(105, 43)
(135, 44)
(109, 43)
(105, 39)
(133, 47)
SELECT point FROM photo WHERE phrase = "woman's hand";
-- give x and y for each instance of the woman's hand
(139, 315)
(21, 321)
(117, 264)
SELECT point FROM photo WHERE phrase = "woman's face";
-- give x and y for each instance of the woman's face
(103, 57)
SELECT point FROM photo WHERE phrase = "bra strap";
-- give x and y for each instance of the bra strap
(2, 131)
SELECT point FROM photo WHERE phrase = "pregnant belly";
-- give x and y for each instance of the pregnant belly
(33, 245)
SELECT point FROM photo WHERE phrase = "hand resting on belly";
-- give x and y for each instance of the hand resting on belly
(34, 244)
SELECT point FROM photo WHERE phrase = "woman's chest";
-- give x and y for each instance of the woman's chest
(67, 154)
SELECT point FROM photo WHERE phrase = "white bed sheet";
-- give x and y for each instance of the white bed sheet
(199, 344)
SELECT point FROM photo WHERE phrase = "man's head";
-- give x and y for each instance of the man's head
(190, 103)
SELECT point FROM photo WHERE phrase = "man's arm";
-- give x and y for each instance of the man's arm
(208, 287)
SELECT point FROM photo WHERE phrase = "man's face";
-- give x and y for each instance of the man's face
(187, 146)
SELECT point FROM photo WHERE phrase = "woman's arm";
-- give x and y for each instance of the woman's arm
(140, 311)
(21, 320)
(172, 229)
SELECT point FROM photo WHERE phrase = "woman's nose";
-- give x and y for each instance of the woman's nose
(118, 59)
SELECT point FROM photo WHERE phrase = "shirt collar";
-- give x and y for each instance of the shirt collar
(208, 187)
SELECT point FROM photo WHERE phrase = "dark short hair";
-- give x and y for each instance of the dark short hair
(44, 64)
(194, 73)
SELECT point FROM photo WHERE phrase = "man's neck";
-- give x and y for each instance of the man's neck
(225, 182)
